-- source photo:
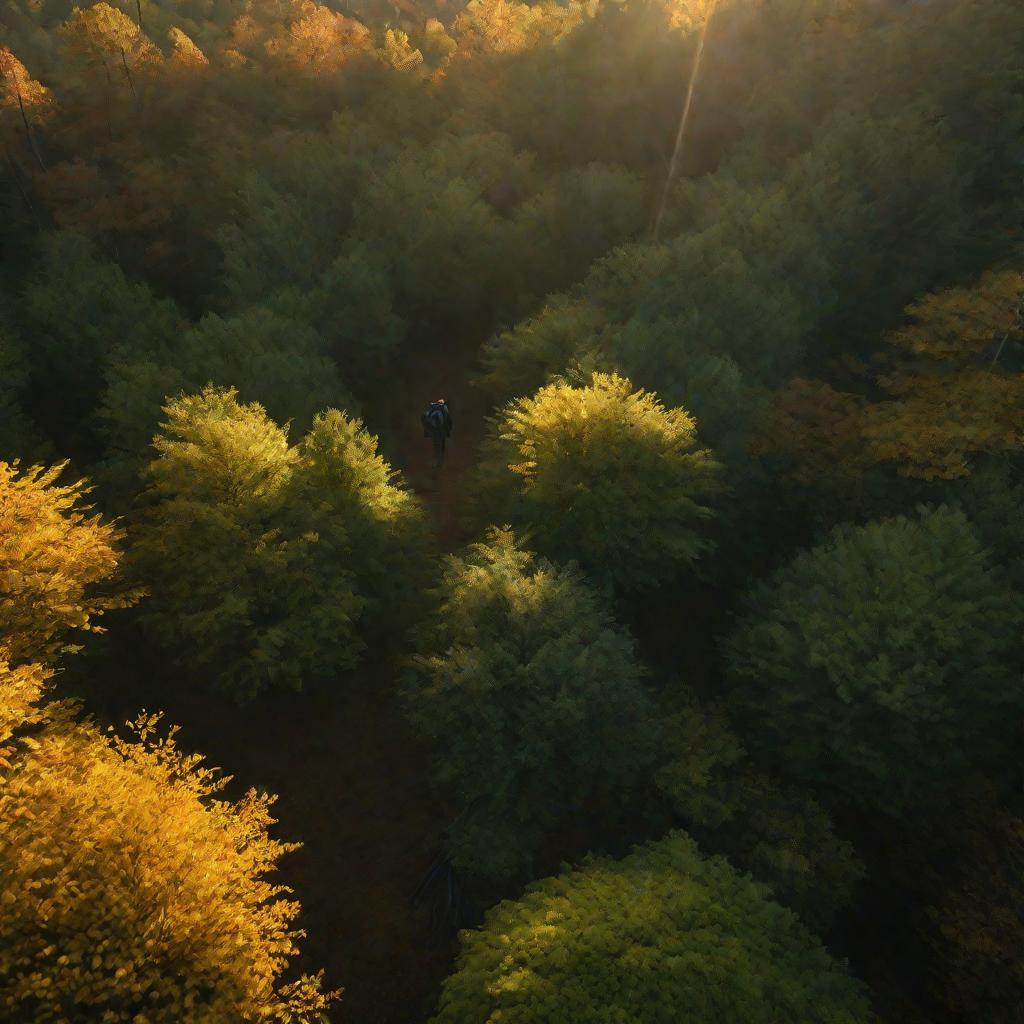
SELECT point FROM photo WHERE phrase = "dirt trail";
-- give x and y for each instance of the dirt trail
(434, 373)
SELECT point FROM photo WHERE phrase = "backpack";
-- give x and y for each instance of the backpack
(435, 417)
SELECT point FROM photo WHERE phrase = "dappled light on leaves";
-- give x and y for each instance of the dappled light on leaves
(662, 932)
(604, 475)
(59, 569)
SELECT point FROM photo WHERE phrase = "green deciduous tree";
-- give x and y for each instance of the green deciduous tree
(18, 438)
(342, 477)
(533, 697)
(519, 361)
(877, 663)
(261, 556)
(80, 312)
(779, 833)
(603, 474)
(269, 358)
(663, 934)
(576, 218)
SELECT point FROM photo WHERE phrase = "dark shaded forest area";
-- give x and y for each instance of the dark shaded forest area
(689, 688)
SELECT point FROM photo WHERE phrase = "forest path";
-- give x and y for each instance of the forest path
(434, 371)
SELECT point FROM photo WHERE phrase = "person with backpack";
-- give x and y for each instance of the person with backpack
(437, 425)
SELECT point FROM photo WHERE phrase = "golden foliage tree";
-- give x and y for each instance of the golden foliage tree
(24, 102)
(952, 396)
(102, 37)
(185, 53)
(317, 39)
(130, 890)
(58, 563)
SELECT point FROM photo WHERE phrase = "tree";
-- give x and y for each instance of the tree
(101, 37)
(663, 934)
(318, 40)
(520, 361)
(58, 564)
(24, 103)
(576, 218)
(993, 498)
(503, 27)
(341, 477)
(353, 308)
(602, 474)
(978, 929)
(779, 833)
(878, 662)
(185, 53)
(82, 313)
(447, 199)
(534, 699)
(956, 390)
(237, 589)
(130, 889)
(17, 436)
(267, 357)
(262, 557)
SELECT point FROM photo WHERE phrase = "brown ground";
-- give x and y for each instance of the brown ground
(420, 379)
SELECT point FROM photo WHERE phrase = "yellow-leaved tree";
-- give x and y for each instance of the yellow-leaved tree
(24, 102)
(956, 387)
(130, 890)
(58, 563)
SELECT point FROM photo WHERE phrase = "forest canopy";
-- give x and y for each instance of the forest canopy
(676, 670)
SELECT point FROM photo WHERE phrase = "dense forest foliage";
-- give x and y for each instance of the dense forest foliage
(689, 688)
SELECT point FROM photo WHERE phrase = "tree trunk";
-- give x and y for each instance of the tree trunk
(28, 132)
(128, 75)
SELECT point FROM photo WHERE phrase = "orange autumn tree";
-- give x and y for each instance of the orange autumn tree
(130, 889)
(955, 386)
(58, 563)
(24, 103)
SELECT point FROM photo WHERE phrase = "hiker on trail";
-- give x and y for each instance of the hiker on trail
(437, 425)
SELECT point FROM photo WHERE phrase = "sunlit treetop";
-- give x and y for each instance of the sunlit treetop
(102, 35)
(603, 474)
(130, 889)
(20, 94)
(661, 935)
(58, 563)
(185, 53)
(213, 448)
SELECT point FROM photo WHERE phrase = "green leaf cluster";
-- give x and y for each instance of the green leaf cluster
(879, 663)
(533, 699)
(601, 474)
(261, 557)
(664, 934)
